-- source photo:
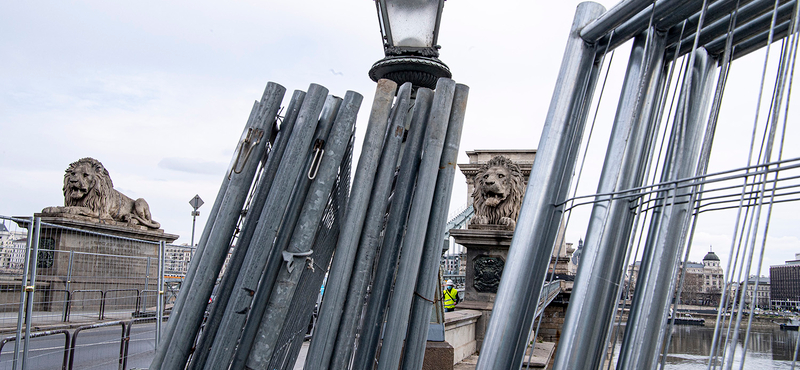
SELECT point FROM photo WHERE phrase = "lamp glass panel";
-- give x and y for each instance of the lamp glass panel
(412, 22)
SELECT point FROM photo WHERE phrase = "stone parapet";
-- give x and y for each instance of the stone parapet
(459, 332)
(103, 227)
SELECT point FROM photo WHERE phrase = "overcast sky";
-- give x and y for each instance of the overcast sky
(159, 91)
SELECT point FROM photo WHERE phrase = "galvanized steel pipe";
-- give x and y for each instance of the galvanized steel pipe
(614, 17)
(408, 268)
(294, 257)
(248, 229)
(537, 225)
(427, 281)
(666, 13)
(393, 236)
(603, 259)
(371, 233)
(648, 315)
(195, 261)
(270, 220)
(249, 153)
(760, 25)
(718, 28)
(321, 347)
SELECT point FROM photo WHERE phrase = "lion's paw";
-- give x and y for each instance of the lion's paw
(508, 222)
(55, 209)
(479, 220)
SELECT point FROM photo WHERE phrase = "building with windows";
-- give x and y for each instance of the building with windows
(785, 285)
(452, 264)
(760, 292)
(702, 283)
(12, 249)
(177, 258)
(713, 277)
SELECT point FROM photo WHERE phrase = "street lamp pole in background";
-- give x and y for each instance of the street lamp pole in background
(196, 203)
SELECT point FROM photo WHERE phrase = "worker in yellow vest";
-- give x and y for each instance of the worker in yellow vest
(451, 297)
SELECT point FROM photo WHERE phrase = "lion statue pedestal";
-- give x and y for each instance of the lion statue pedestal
(92, 204)
(497, 185)
(100, 239)
(497, 180)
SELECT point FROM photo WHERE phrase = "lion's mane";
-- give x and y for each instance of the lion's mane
(508, 207)
(97, 197)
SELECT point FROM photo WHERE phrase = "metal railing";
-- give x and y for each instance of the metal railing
(53, 275)
(71, 340)
(43, 334)
(660, 184)
(122, 340)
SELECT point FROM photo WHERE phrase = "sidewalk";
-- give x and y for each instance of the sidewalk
(538, 358)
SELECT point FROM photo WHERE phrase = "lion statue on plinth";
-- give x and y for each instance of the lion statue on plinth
(497, 198)
(88, 191)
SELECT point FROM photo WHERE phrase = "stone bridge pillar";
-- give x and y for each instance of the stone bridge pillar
(496, 180)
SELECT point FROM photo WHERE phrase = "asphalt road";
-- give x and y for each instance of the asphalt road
(94, 349)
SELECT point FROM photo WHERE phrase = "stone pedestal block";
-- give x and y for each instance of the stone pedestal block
(487, 250)
(96, 261)
(438, 356)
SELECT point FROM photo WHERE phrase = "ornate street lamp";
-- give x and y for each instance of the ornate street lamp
(410, 29)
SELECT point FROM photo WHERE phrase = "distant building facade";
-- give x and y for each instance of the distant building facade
(713, 277)
(702, 284)
(177, 258)
(759, 294)
(453, 264)
(12, 249)
(785, 285)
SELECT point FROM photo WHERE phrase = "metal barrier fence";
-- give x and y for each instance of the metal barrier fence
(56, 279)
(691, 150)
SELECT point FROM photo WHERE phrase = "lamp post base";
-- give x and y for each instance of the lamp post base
(420, 71)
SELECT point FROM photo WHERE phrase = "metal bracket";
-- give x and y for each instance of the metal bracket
(319, 151)
(289, 258)
(246, 147)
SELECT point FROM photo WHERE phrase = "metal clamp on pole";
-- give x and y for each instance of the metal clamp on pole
(289, 258)
(246, 146)
(318, 153)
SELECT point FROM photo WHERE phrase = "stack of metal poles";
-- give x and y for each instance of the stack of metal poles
(303, 180)
(391, 239)
(188, 311)
(710, 33)
(539, 218)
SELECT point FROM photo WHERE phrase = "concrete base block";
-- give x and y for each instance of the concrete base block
(539, 356)
(438, 355)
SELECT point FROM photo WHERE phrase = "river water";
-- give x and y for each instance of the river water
(768, 348)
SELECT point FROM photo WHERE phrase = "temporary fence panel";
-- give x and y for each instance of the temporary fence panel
(83, 283)
(701, 75)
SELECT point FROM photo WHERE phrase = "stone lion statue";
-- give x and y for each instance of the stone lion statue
(88, 191)
(497, 198)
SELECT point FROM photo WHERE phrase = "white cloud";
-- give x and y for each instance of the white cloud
(192, 165)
